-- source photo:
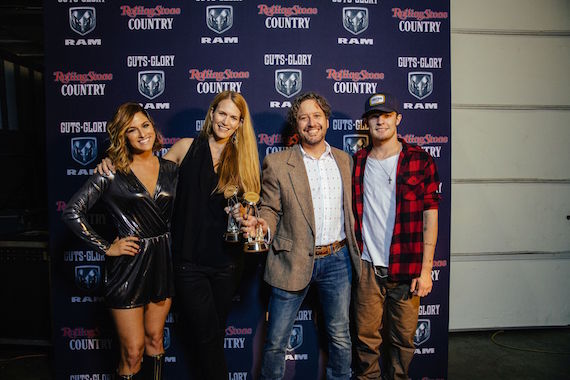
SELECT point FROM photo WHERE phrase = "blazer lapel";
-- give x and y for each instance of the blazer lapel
(300, 184)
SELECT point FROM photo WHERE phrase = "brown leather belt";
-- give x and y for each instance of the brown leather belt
(325, 250)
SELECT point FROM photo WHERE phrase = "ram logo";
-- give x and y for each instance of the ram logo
(82, 20)
(288, 82)
(219, 18)
(420, 84)
(355, 19)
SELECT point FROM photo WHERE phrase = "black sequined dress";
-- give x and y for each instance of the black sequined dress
(131, 281)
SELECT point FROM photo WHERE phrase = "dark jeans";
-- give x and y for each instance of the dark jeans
(203, 298)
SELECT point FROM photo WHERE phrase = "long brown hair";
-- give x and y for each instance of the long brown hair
(239, 162)
(119, 151)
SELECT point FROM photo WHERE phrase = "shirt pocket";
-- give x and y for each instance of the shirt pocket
(412, 188)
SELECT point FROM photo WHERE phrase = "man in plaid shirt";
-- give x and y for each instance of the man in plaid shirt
(395, 205)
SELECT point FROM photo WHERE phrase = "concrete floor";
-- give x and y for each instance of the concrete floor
(531, 354)
(513, 354)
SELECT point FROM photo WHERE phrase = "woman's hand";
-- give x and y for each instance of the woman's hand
(105, 167)
(126, 246)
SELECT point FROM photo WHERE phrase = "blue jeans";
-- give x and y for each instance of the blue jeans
(332, 275)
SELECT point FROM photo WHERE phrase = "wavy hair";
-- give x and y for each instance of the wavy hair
(119, 151)
(239, 162)
(294, 110)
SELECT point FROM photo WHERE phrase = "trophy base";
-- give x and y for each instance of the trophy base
(231, 237)
(255, 247)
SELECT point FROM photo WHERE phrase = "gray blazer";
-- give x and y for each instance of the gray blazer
(287, 207)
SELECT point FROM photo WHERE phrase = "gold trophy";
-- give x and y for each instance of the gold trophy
(254, 244)
(232, 231)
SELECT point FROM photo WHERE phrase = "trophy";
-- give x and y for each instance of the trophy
(254, 244)
(232, 231)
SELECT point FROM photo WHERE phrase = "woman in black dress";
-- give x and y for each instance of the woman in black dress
(207, 269)
(139, 280)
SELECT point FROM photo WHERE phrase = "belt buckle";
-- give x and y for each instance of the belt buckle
(334, 247)
(323, 251)
(326, 250)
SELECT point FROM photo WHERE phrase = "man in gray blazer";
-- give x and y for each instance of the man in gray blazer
(306, 205)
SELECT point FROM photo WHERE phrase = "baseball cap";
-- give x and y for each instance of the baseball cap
(383, 102)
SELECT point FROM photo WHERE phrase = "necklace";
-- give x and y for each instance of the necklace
(388, 174)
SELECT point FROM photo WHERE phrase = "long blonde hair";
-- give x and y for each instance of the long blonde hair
(239, 162)
(119, 150)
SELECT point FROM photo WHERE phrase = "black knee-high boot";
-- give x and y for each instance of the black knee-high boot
(152, 367)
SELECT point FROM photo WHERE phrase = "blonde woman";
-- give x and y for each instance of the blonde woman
(139, 280)
(208, 270)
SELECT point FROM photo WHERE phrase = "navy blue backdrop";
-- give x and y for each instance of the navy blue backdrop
(173, 57)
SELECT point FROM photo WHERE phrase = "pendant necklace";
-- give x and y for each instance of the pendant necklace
(389, 175)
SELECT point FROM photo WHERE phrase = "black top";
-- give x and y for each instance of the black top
(199, 220)
(130, 281)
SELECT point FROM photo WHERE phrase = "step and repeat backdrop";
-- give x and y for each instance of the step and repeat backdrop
(173, 57)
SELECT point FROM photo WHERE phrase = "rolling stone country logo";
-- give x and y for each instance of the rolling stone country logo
(423, 332)
(420, 84)
(288, 82)
(219, 18)
(84, 150)
(353, 143)
(296, 338)
(355, 19)
(151, 83)
(82, 20)
(87, 277)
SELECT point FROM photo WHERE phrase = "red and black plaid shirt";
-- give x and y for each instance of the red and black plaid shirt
(416, 184)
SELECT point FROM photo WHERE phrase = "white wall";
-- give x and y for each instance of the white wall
(510, 209)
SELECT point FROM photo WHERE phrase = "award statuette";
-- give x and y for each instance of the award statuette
(232, 231)
(254, 244)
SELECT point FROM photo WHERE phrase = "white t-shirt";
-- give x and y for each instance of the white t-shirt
(379, 213)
